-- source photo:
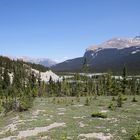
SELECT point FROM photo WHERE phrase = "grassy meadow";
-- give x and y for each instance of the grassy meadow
(69, 118)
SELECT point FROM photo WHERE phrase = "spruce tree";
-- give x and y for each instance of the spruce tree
(133, 86)
(109, 83)
(85, 65)
(39, 79)
(138, 88)
(1, 81)
(6, 79)
(33, 80)
(124, 81)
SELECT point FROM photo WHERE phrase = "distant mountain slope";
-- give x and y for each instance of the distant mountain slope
(42, 61)
(114, 59)
(112, 55)
(71, 65)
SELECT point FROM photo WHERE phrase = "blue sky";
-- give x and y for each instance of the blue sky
(60, 29)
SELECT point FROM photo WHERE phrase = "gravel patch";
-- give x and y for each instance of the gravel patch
(100, 136)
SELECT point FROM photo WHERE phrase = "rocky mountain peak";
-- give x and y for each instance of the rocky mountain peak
(118, 43)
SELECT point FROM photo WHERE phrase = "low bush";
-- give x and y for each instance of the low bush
(99, 115)
(136, 136)
(119, 101)
(25, 103)
(134, 99)
(87, 102)
(112, 106)
(1, 109)
(124, 98)
(53, 101)
(78, 99)
(113, 98)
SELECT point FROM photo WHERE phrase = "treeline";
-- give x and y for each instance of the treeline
(82, 85)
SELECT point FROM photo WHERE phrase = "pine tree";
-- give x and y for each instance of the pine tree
(85, 65)
(1, 81)
(138, 88)
(133, 86)
(51, 87)
(33, 80)
(124, 81)
(16, 79)
(6, 79)
(42, 89)
(109, 83)
(39, 79)
(119, 101)
(35, 92)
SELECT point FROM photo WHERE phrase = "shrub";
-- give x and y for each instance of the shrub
(95, 97)
(124, 98)
(112, 106)
(1, 109)
(119, 101)
(24, 103)
(8, 133)
(53, 101)
(134, 99)
(90, 98)
(58, 101)
(72, 102)
(113, 98)
(64, 137)
(136, 136)
(99, 115)
(78, 99)
(87, 102)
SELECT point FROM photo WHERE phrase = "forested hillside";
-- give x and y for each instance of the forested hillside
(18, 84)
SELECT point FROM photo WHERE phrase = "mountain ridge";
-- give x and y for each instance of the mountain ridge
(118, 43)
(112, 54)
(42, 61)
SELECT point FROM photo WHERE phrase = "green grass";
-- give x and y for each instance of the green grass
(126, 118)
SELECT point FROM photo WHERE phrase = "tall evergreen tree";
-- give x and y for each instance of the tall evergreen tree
(39, 79)
(6, 78)
(33, 80)
(85, 65)
(138, 87)
(133, 86)
(109, 83)
(124, 81)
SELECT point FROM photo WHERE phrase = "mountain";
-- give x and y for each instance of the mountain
(71, 65)
(42, 61)
(112, 54)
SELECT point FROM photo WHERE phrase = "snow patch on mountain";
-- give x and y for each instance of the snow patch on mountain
(95, 53)
(134, 52)
(117, 43)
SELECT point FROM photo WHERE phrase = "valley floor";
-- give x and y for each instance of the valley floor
(69, 118)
